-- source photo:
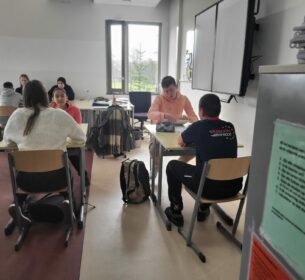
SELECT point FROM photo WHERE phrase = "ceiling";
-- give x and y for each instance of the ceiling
(143, 3)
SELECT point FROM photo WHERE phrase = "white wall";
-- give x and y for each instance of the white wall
(173, 37)
(47, 39)
(276, 19)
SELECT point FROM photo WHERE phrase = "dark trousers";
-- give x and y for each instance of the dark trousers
(74, 159)
(179, 173)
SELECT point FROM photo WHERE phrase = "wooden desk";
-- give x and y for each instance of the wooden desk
(73, 148)
(168, 146)
(89, 111)
(70, 144)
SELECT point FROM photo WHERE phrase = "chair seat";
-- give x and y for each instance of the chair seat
(140, 115)
(20, 191)
(238, 196)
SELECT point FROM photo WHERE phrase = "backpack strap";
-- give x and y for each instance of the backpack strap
(130, 178)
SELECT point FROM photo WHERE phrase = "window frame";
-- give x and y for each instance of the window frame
(125, 55)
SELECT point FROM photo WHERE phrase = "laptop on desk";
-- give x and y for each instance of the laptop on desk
(99, 103)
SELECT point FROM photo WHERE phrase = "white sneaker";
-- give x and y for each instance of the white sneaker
(65, 206)
(25, 221)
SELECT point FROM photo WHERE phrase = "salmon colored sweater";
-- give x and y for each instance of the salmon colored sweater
(72, 110)
(162, 105)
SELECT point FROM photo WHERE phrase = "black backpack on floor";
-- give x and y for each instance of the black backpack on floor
(47, 209)
(134, 179)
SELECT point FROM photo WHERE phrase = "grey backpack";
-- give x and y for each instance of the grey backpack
(134, 179)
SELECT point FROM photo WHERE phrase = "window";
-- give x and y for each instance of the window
(133, 56)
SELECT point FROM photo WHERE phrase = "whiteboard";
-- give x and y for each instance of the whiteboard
(204, 47)
(230, 46)
(219, 47)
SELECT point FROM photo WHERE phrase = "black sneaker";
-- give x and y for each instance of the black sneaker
(202, 215)
(176, 219)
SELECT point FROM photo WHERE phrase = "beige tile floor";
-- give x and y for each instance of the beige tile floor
(131, 242)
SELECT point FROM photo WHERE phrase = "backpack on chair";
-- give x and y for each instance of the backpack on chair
(134, 179)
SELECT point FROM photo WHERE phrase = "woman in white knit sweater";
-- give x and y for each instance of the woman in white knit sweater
(38, 127)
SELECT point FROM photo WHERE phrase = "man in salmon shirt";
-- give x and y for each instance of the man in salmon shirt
(171, 104)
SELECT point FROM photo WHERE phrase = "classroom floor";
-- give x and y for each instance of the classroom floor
(131, 242)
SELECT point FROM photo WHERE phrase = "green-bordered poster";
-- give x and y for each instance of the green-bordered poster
(283, 224)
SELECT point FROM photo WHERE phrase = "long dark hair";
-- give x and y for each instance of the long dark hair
(34, 97)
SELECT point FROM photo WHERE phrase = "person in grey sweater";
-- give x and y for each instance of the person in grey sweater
(8, 97)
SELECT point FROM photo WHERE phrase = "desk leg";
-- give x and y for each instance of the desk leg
(161, 212)
(160, 166)
(132, 119)
(153, 171)
(82, 165)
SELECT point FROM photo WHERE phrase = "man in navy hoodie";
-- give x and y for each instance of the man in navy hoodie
(213, 138)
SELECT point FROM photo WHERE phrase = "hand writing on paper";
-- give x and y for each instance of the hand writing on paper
(185, 117)
(169, 117)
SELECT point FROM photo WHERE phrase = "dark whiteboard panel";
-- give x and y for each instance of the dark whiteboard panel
(230, 46)
(222, 49)
(204, 47)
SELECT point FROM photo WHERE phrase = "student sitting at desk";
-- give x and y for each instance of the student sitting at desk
(37, 127)
(213, 138)
(171, 104)
(23, 80)
(8, 97)
(61, 83)
(60, 100)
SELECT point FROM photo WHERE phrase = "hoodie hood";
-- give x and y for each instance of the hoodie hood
(171, 100)
(7, 92)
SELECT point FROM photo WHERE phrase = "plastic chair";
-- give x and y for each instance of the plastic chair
(141, 101)
(38, 161)
(219, 169)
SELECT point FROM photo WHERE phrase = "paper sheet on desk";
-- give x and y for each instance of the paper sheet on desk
(69, 141)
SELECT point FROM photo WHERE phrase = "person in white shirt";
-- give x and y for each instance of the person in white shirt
(8, 97)
(38, 127)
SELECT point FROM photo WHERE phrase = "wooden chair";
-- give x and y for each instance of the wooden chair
(219, 169)
(38, 161)
(5, 112)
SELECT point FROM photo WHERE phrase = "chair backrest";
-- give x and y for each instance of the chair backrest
(38, 161)
(6, 111)
(141, 101)
(228, 168)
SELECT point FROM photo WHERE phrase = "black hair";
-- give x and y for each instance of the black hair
(62, 79)
(34, 96)
(210, 104)
(168, 81)
(59, 89)
(8, 85)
